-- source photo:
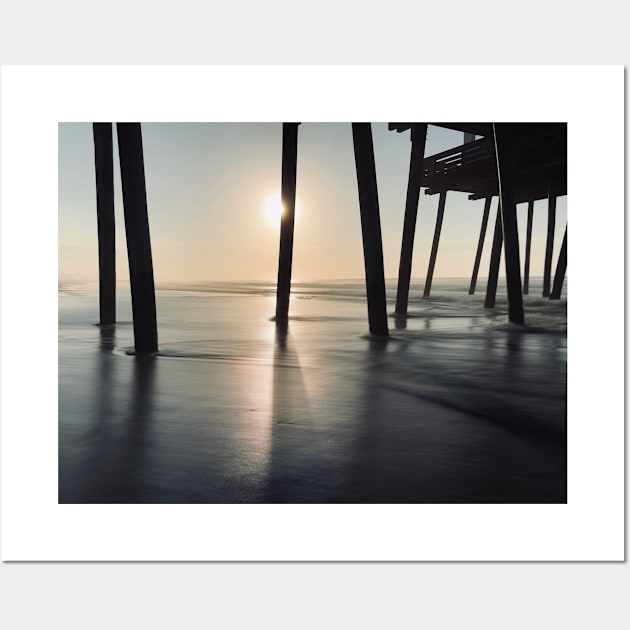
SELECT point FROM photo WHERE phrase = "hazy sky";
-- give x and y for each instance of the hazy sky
(208, 191)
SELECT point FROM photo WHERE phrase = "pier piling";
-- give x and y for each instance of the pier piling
(528, 246)
(418, 142)
(561, 269)
(436, 241)
(287, 222)
(495, 260)
(505, 172)
(104, 168)
(551, 227)
(370, 227)
(482, 237)
(138, 237)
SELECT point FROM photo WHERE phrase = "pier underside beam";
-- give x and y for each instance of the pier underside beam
(436, 242)
(104, 167)
(370, 227)
(551, 227)
(138, 237)
(561, 269)
(495, 260)
(505, 172)
(482, 237)
(418, 142)
(287, 222)
(528, 246)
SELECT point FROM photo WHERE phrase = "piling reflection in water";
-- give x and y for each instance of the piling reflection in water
(111, 467)
(294, 458)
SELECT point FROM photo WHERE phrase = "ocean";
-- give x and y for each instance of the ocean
(457, 406)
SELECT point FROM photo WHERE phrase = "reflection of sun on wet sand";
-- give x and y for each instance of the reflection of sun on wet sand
(453, 408)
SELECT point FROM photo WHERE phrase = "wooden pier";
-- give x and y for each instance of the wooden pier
(515, 162)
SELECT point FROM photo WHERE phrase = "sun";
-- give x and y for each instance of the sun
(273, 209)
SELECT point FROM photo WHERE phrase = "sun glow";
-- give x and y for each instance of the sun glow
(274, 209)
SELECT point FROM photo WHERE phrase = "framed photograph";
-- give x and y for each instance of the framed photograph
(288, 326)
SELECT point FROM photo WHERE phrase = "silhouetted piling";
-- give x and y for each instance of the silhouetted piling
(505, 172)
(561, 269)
(104, 167)
(495, 260)
(370, 227)
(138, 238)
(418, 142)
(551, 227)
(528, 246)
(436, 242)
(288, 185)
(482, 237)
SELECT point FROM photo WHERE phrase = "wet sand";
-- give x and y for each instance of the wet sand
(456, 407)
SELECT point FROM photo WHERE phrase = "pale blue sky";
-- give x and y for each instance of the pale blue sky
(207, 188)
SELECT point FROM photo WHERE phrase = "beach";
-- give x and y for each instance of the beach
(457, 406)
